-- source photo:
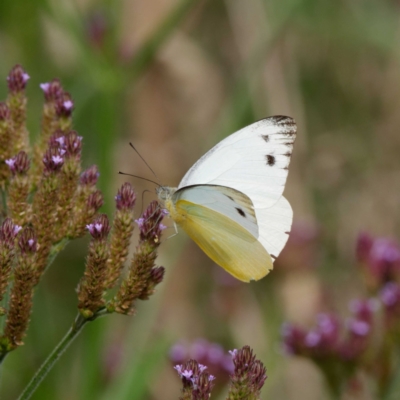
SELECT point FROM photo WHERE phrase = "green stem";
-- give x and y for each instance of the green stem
(53, 358)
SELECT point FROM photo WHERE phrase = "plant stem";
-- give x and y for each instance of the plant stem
(53, 358)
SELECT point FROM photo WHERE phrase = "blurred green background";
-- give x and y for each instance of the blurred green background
(175, 77)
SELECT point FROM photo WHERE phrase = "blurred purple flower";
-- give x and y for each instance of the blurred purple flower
(380, 257)
(218, 361)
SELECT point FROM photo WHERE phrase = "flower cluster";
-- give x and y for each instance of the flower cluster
(367, 339)
(50, 201)
(246, 380)
(219, 363)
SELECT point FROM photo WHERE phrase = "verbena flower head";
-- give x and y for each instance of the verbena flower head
(218, 361)
(90, 176)
(27, 241)
(126, 197)
(8, 232)
(380, 257)
(52, 90)
(64, 105)
(100, 227)
(52, 160)
(18, 164)
(249, 374)
(195, 379)
(17, 79)
(150, 225)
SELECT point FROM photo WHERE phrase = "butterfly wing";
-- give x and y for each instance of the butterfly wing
(254, 161)
(222, 222)
(225, 241)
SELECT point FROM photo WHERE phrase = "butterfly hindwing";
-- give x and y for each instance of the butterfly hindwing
(227, 201)
(253, 160)
(226, 242)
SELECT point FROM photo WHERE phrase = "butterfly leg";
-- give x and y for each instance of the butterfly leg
(176, 232)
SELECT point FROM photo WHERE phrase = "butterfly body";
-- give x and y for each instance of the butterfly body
(230, 202)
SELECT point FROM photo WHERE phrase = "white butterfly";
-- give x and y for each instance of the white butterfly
(230, 202)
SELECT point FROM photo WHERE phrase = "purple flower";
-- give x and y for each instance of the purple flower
(358, 327)
(293, 338)
(45, 86)
(364, 309)
(390, 295)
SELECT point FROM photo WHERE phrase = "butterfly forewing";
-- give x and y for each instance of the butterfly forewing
(254, 161)
(274, 225)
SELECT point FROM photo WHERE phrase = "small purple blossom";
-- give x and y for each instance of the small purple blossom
(358, 327)
(313, 339)
(45, 86)
(61, 141)
(390, 294)
(57, 159)
(11, 163)
(68, 104)
(140, 222)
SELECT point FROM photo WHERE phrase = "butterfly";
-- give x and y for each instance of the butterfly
(230, 201)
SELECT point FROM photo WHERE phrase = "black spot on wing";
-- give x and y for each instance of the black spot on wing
(265, 137)
(270, 160)
(288, 154)
(240, 212)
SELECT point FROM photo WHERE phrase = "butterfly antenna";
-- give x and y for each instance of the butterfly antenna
(140, 177)
(148, 166)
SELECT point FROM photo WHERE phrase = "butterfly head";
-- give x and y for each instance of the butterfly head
(165, 193)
